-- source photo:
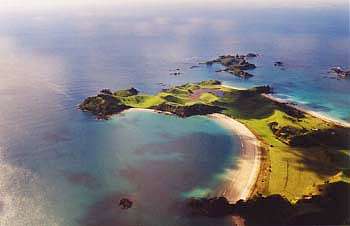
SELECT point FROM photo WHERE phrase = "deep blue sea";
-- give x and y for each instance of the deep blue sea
(59, 166)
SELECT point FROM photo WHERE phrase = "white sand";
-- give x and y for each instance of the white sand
(241, 178)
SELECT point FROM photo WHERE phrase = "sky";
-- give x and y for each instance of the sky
(11, 5)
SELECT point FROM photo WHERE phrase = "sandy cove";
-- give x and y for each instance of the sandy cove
(240, 180)
(242, 177)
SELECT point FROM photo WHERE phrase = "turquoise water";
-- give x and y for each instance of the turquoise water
(60, 166)
(155, 160)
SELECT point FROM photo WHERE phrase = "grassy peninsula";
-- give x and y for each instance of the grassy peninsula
(300, 151)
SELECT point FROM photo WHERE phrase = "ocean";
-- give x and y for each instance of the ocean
(60, 166)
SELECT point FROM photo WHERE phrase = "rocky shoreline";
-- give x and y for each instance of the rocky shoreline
(330, 207)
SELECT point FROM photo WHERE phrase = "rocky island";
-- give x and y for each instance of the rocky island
(236, 65)
(340, 72)
(300, 154)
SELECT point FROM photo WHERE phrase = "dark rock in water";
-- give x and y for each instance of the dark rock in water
(242, 65)
(341, 73)
(125, 203)
(228, 60)
(252, 55)
(175, 73)
(242, 74)
(237, 72)
(194, 66)
(232, 63)
(278, 64)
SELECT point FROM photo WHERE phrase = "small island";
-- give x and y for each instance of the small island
(236, 65)
(299, 152)
(340, 72)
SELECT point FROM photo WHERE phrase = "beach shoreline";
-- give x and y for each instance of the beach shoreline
(241, 180)
(297, 106)
(300, 107)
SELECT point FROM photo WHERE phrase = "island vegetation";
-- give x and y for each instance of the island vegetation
(300, 152)
(235, 64)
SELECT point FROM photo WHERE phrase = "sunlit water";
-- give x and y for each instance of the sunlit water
(61, 166)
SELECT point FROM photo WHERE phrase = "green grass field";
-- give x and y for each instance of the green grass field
(293, 171)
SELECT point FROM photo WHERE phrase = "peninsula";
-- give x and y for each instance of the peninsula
(299, 152)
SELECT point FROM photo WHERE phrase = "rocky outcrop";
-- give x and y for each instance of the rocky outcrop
(278, 64)
(251, 55)
(239, 73)
(188, 110)
(103, 105)
(340, 72)
(235, 65)
(330, 207)
(107, 103)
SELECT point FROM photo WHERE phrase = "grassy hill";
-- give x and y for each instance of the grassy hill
(300, 151)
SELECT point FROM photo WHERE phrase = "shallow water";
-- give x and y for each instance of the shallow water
(60, 166)
(78, 176)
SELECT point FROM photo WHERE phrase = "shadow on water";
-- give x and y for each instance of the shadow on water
(163, 173)
(82, 179)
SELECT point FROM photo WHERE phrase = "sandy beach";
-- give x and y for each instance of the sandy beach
(233, 87)
(240, 180)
